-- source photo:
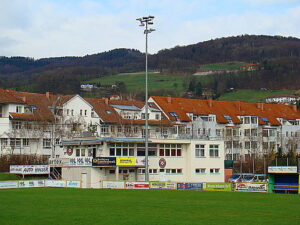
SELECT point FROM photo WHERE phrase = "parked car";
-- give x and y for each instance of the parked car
(247, 177)
(260, 178)
(236, 177)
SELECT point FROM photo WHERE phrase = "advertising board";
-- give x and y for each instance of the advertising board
(80, 161)
(55, 183)
(8, 184)
(137, 185)
(140, 161)
(218, 187)
(251, 187)
(104, 161)
(190, 186)
(163, 185)
(73, 184)
(31, 183)
(55, 162)
(282, 169)
(113, 184)
(29, 169)
(125, 161)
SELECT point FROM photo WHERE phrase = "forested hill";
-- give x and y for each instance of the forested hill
(19, 71)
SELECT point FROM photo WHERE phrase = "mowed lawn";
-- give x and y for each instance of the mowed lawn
(83, 206)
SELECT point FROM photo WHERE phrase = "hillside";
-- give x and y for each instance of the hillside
(276, 55)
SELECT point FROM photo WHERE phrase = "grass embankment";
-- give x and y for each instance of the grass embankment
(135, 81)
(80, 206)
(252, 95)
(8, 176)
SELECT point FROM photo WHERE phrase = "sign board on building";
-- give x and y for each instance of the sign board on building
(125, 161)
(282, 169)
(251, 187)
(163, 185)
(55, 162)
(140, 161)
(104, 161)
(31, 183)
(80, 161)
(162, 163)
(113, 184)
(190, 186)
(30, 169)
(8, 184)
(218, 187)
(137, 185)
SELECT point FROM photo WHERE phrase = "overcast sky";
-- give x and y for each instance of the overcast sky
(48, 28)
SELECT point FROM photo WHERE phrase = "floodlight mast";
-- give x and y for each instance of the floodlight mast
(146, 21)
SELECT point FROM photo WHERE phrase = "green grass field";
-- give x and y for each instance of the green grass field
(252, 95)
(142, 207)
(135, 81)
(222, 66)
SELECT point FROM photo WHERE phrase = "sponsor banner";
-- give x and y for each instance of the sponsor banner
(8, 184)
(218, 187)
(55, 162)
(30, 169)
(140, 161)
(80, 161)
(282, 169)
(137, 185)
(163, 185)
(73, 184)
(55, 183)
(190, 186)
(104, 161)
(251, 187)
(113, 184)
(125, 161)
(31, 183)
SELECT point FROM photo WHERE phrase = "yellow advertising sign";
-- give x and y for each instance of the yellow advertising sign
(163, 185)
(125, 161)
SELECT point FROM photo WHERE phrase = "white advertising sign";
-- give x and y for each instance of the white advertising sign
(81, 161)
(30, 169)
(251, 187)
(55, 183)
(8, 184)
(73, 184)
(282, 169)
(31, 183)
(140, 161)
(55, 162)
(114, 184)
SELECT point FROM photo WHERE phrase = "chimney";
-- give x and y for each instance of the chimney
(210, 103)
(238, 104)
(295, 108)
(48, 95)
(262, 106)
(106, 101)
(258, 105)
(24, 99)
(169, 99)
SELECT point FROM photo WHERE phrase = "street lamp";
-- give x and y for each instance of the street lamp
(146, 21)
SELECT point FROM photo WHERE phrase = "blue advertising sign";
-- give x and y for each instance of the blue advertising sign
(190, 186)
(104, 161)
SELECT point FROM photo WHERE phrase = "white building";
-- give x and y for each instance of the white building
(283, 99)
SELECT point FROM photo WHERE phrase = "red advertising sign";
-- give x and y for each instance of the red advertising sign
(137, 185)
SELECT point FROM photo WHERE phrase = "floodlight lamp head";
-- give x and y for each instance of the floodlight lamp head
(150, 23)
(151, 17)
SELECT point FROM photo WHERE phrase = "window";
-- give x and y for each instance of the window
(15, 142)
(18, 109)
(200, 150)
(25, 142)
(254, 132)
(85, 112)
(77, 152)
(68, 111)
(157, 116)
(214, 150)
(141, 171)
(80, 112)
(46, 143)
(218, 132)
(72, 112)
(121, 149)
(4, 142)
(105, 129)
(170, 150)
(82, 152)
(153, 171)
(247, 144)
(254, 119)
(214, 170)
(173, 171)
(16, 125)
(173, 114)
(254, 144)
(152, 149)
(272, 132)
(57, 141)
(200, 170)
(112, 171)
(246, 120)
(123, 171)
(247, 132)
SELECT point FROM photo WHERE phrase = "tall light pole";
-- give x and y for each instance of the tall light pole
(146, 21)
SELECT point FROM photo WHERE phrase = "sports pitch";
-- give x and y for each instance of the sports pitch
(81, 206)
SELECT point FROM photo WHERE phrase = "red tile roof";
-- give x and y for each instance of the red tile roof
(7, 97)
(182, 106)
